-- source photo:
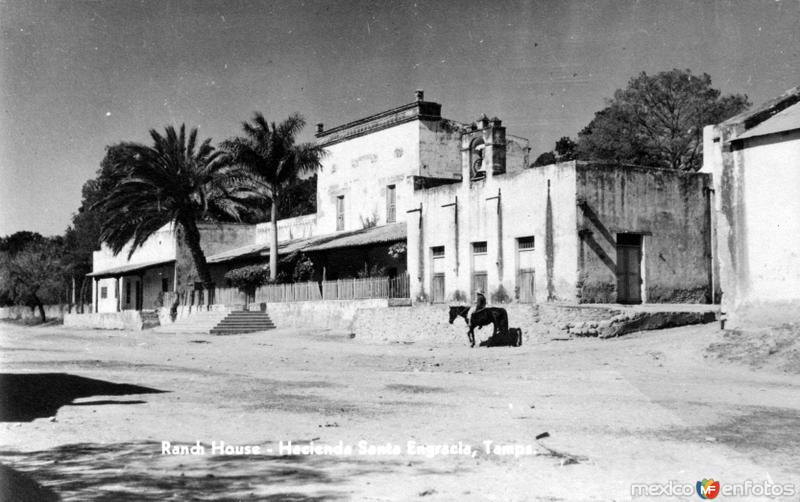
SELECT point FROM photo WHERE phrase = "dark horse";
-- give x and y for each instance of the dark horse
(495, 316)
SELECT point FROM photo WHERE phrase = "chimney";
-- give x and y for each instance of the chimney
(320, 128)
(419, 94)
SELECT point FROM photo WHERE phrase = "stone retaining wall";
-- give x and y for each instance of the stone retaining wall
(430, 322)
(127, 319)
(18, 312)
(332, 314)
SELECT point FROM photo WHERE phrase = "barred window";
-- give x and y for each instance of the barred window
(525, 242)
(479, 247)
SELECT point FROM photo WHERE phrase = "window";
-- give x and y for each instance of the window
(340, 212)
(164, 285)
(104, 292)
(479, 275)
(525, 243)
(437, 251)
(391, 202)
(479, 247)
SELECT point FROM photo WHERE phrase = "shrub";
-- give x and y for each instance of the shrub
(251, 276)
(500, 295)
(397, 250)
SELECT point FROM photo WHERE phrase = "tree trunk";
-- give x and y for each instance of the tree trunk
(82, 294)
(273, 245)
(39, 305)
(191, 235)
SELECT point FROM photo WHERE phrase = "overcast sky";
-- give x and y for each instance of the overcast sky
(76, 75)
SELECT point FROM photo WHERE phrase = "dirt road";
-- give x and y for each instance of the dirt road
(646, 408)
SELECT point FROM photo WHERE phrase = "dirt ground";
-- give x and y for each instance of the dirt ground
(646, 408)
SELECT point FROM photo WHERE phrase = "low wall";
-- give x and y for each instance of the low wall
(333, 314)
(50, 311)
(127, 319)
(539, 322)
(430, 322)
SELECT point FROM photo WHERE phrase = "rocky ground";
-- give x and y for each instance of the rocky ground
(91, 411)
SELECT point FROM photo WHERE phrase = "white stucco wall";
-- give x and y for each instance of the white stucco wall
(524, 197)
(756, 208)
(299, 227)
(360, 169)
(160, 246)
(772, 216)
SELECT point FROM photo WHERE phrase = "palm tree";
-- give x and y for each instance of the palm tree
(174, 181)
(272, 153)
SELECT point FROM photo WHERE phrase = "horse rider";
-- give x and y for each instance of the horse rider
(480, 304)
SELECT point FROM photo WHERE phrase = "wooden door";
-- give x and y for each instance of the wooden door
(437, 288)
(629, 268)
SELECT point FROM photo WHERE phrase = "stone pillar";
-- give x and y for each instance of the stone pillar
(494, 138)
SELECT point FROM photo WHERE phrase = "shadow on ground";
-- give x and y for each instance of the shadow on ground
(28, 396)
(139, 472)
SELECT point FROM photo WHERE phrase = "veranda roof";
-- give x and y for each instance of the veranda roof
(393, 232)
(129, 269)
(376, 235)
(255, 250)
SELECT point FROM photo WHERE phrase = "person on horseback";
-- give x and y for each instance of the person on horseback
(480, 304)
(480, 300)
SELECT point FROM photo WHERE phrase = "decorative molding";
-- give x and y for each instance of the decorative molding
(418, 110)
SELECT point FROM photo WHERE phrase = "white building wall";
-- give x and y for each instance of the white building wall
(772, 217)
(360, 169)
(757, 227)
(523, 199)
(160, 246)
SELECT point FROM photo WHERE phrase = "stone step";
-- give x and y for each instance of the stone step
(239, 321)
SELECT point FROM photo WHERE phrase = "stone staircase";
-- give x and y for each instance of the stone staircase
(197, 322)
(243, 321)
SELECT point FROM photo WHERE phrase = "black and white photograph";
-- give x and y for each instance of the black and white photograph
(408, 250)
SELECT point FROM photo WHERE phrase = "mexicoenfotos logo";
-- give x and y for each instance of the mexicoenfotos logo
(707, 489)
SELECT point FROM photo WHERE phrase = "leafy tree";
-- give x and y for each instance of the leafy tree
(272, 153)
(298, 198)
(545, 159)
(565, 149)
(248, 277)
(18, 241)
(82, 237)
(174, 181)
(658, 120)
(33, 275)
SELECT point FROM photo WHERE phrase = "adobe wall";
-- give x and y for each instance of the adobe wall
(669, 208)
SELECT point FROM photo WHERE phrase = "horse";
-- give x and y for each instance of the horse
(496, 316)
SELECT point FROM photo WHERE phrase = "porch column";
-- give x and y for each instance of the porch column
(94, 294)
(118, 289)
(415, 256)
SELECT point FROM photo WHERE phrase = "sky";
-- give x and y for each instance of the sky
(76, 76)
